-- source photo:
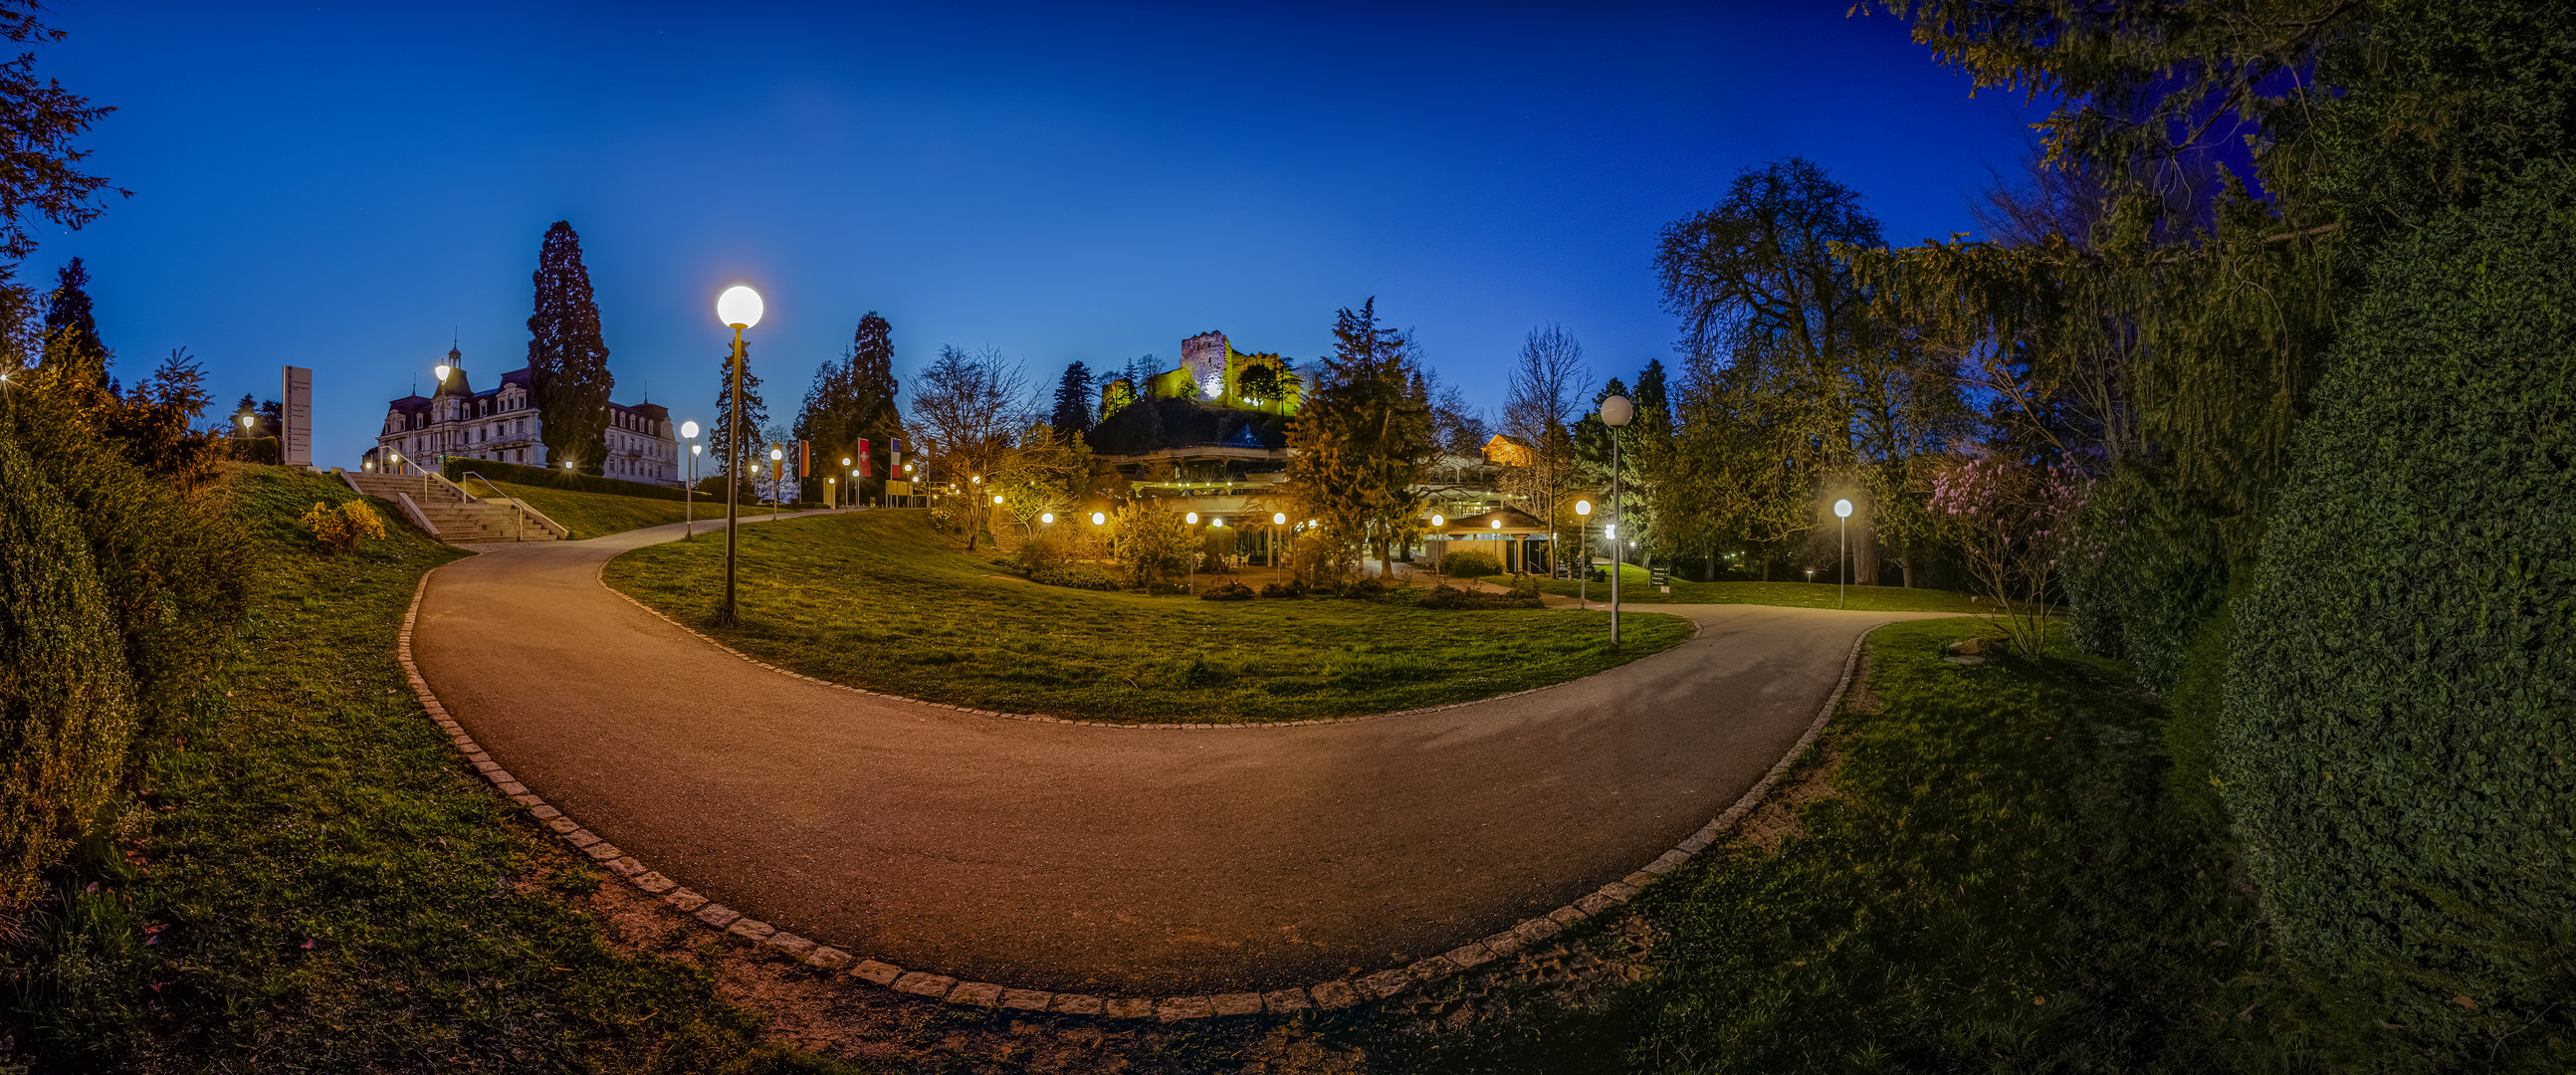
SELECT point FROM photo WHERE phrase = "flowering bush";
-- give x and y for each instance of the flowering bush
(341, 529)
(2015, 524)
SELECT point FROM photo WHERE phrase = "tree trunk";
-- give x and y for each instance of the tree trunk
(1864, 558)
(1708, 571)
(1905, 563)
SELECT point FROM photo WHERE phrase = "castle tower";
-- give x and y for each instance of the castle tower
(1203, 356)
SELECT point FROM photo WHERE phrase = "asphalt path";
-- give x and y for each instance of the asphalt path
(1096, 859)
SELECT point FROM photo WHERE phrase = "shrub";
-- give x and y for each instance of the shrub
(1523, 586)
(1365, 589)
(170, 571)
(257, 450)
(341, 529)
(2399, 744)
(1470, 565)
(1232, 591)
(1446, 596)
(1273, 589)
(66, 697)
(712, 488)
(1074, 576)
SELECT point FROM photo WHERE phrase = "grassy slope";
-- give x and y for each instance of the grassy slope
(313, 883)
(2000, 882)
(875, 599)
(1636, 587)
(589, 515)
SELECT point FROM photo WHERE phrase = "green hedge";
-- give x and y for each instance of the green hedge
(257, 450)
(522, 474)
(2399, 746)
(1470, 565)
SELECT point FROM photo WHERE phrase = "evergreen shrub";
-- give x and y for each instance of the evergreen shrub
(67, 708)
(1073, 576)
(1232, 591)
(257, 450)
(1470, 565)
(2399, 745)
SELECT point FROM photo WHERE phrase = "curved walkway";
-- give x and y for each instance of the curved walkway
(1097, 859)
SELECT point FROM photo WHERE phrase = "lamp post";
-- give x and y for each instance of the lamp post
(688, 494)
(854, 481)
(1842, 574)
(777, 457)
(738, 308)
(1277, 520)
(1439, 567)
(1583, 554)
(1616, 412)
(1193, 519)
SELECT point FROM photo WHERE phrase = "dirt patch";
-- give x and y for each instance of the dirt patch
(1776, 820)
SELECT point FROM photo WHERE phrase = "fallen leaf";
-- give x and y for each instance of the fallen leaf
(308, 944)
(2465, 1003)
(2037, 1001)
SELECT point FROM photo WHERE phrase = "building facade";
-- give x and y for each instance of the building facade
(501, 424)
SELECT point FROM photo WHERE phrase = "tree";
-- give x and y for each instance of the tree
(246, 407)
(854, 399)
(755, 415)
(71, 340)
(1539, 410)
(567, 359)
(42, 177)
(1073, 401)
(1361, 440)
(967, 412)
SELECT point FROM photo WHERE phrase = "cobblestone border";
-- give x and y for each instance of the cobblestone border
(1339, 993)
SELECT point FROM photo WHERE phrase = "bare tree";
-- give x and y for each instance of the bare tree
(1540, 408)
(968, 412)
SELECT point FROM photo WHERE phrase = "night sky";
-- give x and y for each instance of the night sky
(343, 187)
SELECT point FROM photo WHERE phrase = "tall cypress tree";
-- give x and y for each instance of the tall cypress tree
(71, 330)
(1073, 401)
(755, 412)
(567, 359)
(873, 390)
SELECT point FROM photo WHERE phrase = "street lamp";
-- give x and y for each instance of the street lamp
(442, 370)
(1616, 412)
(854, 483)
(1047, 517)
(1277, 519)
(1842, 510)
(688, 496)
(777, 457)
(1583, 543)
(738, 308)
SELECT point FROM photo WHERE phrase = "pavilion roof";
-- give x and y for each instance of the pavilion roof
(1514, 520)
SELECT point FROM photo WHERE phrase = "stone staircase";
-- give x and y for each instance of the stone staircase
(456, 518)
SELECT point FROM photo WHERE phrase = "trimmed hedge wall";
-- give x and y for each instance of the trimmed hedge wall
(522, 474)
(2399, 745)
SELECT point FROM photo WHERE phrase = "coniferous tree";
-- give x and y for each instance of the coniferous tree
(567, 358)
(853, 399)
(247, 405)
(755, 412)
(71, 329)
(1362, 439)
(1073, 401)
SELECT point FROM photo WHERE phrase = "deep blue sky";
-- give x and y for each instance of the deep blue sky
(341, 186)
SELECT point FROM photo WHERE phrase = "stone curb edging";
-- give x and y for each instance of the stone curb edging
(1339, 993)
(601, 577)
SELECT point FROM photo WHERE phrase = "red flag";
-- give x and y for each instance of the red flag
(804, 459)
(865, 469)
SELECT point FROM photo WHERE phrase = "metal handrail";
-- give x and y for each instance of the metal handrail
(518, 519)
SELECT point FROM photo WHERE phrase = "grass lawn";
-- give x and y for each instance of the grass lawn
(589, 515)
(1997, 880)
(1636, 587)
(312, 882)
(875, 599)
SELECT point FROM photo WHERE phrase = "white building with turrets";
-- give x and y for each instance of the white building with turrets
(501, 424)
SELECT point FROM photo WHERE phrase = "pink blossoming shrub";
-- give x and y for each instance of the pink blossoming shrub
(2015, 525)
